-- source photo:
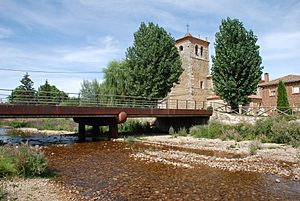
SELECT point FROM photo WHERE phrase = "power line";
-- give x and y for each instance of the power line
(50, 72)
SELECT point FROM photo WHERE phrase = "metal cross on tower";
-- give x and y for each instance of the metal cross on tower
(187, 28)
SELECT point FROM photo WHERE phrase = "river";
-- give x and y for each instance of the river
(106, 170)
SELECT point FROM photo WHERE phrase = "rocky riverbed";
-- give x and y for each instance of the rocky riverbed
(164, 168)
(277, 159)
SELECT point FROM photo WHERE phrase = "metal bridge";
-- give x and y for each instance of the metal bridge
(98, 110)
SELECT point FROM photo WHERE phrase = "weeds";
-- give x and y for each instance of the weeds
(172, 132)
(254, 146)
(24, 161)
(134, 126)
(2, 193)
(130, 140)
(270, 129)
(183, 132)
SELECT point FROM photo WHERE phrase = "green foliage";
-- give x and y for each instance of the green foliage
(90, 89)
(115, 76)
(50, 94)
(134, 126)
(172, 132)
(24, 93)
(22, 161)
(282, 99)
(212, 130)
(66, 124)
(2, 193)
(183, 132)
(236, 68)
(270, 129)
(153, 62)
(254, 146)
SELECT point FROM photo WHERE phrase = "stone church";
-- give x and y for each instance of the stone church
(195, 84)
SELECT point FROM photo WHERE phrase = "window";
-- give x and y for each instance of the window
(201, 85)
(272, 92)
(180, 47)
(201, 51)
(296, 90)
(196, 50)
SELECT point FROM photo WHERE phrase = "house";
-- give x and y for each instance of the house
(268, 91)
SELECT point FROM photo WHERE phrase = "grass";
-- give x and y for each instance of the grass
(254, 146)
(130, 139)
(41, 123)
(270, 129)
(23, 161)
(2, 193)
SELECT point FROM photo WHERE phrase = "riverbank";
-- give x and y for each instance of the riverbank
(38, 189)
(249, 156)
(180, 154)
(35, 131)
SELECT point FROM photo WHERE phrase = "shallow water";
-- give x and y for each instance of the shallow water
(105, 170)
(35, 139)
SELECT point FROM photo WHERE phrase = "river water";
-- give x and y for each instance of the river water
(105, 170)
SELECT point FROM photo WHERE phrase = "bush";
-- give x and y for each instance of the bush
(270, 129)
(182, 132)
(134, 126)
(23, 161)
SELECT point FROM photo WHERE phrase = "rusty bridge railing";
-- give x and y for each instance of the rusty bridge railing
(24, 97)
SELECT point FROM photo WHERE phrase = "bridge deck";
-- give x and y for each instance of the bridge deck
(41, 111)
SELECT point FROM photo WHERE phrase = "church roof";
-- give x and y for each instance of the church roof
(286, 79)
(193, 39)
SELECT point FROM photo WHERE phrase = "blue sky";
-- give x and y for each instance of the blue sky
(85, 35)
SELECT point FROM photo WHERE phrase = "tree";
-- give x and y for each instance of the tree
(282, 99)
(153, 62)
(115, 76)
(236, 68)
(50, 94)
(25, 93)
(89, 89)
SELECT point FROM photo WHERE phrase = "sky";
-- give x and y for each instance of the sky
(85, 35)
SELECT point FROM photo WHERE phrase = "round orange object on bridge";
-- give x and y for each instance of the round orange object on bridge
(122, 117)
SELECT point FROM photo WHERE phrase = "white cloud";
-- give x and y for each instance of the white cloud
(281, 45)
(105, 51)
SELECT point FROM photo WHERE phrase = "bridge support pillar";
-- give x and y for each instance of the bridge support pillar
(96, 130)
(113, 131)
(81, 129)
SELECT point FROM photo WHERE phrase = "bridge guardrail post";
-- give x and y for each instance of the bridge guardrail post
(176, 103)
(79, 99)
(195, 105)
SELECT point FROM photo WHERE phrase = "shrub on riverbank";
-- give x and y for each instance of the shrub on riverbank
(23, 160)
(270, 129)
(135, 126)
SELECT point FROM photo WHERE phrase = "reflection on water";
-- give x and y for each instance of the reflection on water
(105, 171)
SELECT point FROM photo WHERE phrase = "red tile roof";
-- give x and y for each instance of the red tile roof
(285, 79)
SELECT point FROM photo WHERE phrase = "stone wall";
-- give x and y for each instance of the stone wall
(233, 119)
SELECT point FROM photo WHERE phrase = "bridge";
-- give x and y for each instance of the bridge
(99, 110)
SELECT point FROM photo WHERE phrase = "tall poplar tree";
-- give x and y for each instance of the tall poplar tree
(153, 62)
(236, 67)
(282, 99)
